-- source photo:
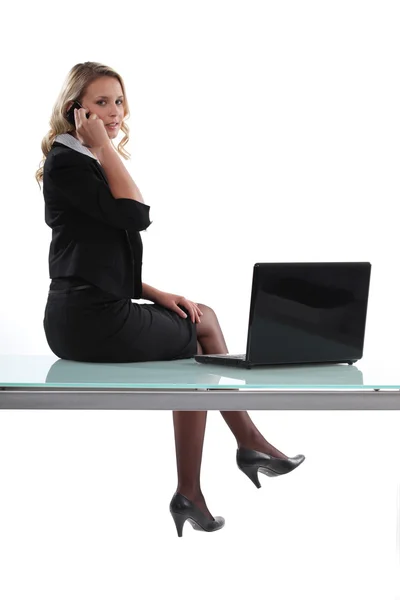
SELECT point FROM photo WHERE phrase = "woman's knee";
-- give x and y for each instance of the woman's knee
(208, 319)
(207, 311)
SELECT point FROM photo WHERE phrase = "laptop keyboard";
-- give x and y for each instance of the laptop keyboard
(234, 356)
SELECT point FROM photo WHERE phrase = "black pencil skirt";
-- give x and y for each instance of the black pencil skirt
(86, 324)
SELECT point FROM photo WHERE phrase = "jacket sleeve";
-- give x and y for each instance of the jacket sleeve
(78, 183)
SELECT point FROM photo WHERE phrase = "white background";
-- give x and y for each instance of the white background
(260, 131)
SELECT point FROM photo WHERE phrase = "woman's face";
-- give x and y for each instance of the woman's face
(104, 97)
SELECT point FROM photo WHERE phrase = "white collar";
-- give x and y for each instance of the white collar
(68, 140)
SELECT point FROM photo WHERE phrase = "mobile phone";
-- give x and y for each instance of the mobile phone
(70, 114)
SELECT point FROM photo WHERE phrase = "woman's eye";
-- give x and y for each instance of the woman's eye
(99, 101)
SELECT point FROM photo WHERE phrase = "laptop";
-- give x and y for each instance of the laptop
(304, 313)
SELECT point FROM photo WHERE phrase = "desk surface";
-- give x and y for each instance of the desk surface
(48, 372)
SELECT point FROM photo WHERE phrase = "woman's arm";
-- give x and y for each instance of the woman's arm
(173, 302)
(119, 179)
(150, 293)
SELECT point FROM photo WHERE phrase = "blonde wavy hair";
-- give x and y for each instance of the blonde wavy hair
(74, 88)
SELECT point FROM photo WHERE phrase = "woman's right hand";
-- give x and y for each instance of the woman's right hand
(90, 132)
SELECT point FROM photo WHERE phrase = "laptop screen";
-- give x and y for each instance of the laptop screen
(308, 312)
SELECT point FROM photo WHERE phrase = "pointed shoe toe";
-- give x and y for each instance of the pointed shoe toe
(252, 461)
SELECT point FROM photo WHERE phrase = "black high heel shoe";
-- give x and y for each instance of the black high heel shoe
(251, 461)
(183, 509)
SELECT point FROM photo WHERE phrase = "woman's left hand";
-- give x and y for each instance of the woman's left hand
(171, 301)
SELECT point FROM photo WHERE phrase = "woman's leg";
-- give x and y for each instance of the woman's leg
(189, 426)
(212, 341)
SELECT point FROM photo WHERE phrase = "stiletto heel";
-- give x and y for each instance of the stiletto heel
(252, 474)
(251, 461)
(179, 520)
(182, 509)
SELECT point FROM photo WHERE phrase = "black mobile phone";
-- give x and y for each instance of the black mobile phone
(70, 114)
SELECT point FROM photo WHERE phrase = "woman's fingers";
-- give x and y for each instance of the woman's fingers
(197, 313)
(197, 306)
(193, 309)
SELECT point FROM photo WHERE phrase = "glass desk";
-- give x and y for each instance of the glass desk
(45, 382)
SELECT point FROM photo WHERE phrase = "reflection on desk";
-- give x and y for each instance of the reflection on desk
(189, 374)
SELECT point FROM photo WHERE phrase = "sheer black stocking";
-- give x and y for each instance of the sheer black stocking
(189, 426)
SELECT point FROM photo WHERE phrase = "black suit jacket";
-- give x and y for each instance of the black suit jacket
(95, 236)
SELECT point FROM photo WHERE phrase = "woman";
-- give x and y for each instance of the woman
(96, 213)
